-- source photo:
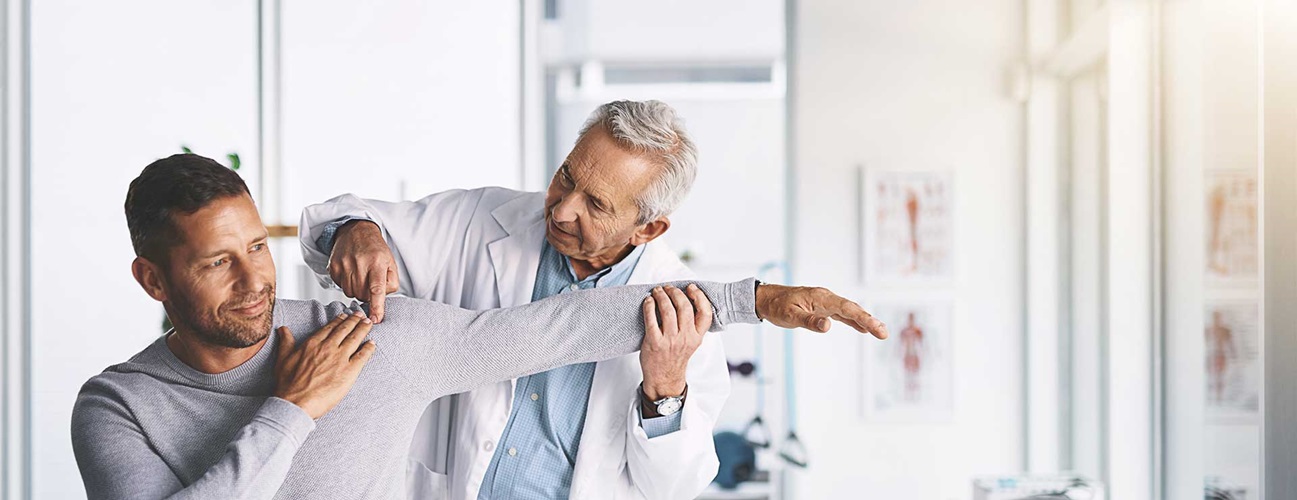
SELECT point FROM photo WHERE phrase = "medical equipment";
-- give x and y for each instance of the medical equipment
(738, 460)
(1217, 488)
(1037, 487)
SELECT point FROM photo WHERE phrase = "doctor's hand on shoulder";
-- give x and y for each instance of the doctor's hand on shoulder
(362, 265)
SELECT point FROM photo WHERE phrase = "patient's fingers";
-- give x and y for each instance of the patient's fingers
(285, 344)
(351, 340)
(364, 354)
(855, 316)
(340, 331)
(324, 331)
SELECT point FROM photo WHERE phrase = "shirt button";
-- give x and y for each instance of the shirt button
(574, 287)
(535, 396)
(513, 452)
(488, 446)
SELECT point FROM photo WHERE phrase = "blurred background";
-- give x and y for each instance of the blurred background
(1077, 216)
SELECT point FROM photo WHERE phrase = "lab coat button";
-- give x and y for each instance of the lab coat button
(488, 446)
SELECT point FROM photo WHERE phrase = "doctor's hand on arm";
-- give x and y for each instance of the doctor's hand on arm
(674, 324)
(317, 375)
(362, 265)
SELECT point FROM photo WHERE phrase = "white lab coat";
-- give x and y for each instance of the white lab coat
(479, 249)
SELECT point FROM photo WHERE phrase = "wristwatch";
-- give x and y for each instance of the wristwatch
(668, 405)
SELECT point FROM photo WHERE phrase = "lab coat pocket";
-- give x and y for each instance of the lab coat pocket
(423, 484)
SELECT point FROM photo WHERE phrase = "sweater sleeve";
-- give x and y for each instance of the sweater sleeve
(118, 462)
(445, 350)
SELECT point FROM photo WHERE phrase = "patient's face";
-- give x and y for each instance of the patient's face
(221, 278)
(590, 206)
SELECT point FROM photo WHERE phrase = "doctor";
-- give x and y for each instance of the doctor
(638, 426)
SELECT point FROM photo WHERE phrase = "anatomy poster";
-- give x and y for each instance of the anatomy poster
(1232, 352)
(1231, 227)
(910, 376)
(908, 230)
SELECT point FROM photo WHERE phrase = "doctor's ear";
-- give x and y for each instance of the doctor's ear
(149, 275)
(649, 232)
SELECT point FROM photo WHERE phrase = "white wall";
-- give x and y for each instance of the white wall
(395, 100)
(670, 30)
(1213, 78)
(114, 87)
(376, 93)
(911, 86)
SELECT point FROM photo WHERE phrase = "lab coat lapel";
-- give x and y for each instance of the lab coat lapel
(514, 257)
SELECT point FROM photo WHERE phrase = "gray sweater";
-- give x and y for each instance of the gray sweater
(153, 427)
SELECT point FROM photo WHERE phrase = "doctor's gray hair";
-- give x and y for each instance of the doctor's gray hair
(652, 128)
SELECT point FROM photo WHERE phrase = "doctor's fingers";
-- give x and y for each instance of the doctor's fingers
(684, 309)
(377, 288)
(652, 330)
(346, 279)
(666, 312)
(702, 309)
(342, 270)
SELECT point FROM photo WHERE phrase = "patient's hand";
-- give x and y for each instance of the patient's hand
(813, 309)
(316, 376)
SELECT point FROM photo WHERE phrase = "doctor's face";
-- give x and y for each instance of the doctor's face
(220, 281)
(590, 207)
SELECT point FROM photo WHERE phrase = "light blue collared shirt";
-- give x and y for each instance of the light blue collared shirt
(536, 455)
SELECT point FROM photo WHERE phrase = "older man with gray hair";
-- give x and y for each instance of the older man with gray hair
(638, 426)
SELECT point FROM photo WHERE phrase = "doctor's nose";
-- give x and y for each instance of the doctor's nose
(566, 209)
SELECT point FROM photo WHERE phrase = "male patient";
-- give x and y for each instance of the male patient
(220, 408)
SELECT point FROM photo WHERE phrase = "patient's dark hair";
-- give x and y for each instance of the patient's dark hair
(180, 183)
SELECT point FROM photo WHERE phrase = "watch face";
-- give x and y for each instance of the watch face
(669, 407)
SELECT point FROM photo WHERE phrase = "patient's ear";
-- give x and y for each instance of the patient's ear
(149, 276)
(649, 232)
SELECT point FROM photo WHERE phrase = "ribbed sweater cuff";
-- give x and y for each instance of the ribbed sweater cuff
(740, 303)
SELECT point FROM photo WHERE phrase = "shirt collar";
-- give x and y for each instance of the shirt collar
(618, 273)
